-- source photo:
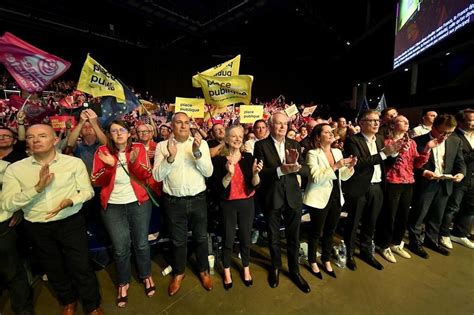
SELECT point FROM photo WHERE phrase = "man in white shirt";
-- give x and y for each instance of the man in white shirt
(50, 188)
(425, 126)
(260, 130)
(182, 163)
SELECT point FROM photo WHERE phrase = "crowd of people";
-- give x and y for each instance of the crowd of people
(372, 170)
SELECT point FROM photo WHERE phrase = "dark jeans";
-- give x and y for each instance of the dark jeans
(129, 223)
(392, 223)
(183, 213)
(324, 221)
(62, 250)
(292, 221)
(461, 208)
(430, 203)
(365, 210)
(12, 272)
(237, 212)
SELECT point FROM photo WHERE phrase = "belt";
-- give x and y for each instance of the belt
(183, 197)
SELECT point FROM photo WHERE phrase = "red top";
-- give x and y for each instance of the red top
(237, 185)
(401, 172)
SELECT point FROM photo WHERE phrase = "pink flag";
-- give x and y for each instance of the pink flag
(32, 68)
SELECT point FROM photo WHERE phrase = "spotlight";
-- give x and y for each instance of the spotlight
(448, 53)
(406, 69)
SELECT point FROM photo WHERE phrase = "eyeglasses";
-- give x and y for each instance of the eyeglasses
(143, 131)
(117, 131)
(446, 133)
(5, 137)
(372, 121)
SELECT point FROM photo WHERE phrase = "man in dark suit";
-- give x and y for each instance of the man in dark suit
(281, 196)
(461, 202)
(364, 190)
(431, 187)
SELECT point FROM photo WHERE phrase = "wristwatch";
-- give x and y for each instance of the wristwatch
(197, 154)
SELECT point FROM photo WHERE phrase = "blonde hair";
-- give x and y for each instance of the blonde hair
(225, 151)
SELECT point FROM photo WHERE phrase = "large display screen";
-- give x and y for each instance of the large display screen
(423, 23)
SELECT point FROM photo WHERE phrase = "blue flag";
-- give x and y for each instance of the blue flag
(363, 106)
(112, 110)
(382, 104)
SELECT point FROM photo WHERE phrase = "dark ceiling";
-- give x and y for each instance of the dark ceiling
(306, 50)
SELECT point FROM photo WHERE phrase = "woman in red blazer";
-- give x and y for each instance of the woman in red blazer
(120, 168)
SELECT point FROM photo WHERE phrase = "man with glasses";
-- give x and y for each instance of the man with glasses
(460, 209)
(364, 190)
(434, 185)
(145, 136)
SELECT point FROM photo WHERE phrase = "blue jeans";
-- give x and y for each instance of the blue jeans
(129, 223)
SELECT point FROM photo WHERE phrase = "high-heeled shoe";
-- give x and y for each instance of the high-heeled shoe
(122, 299)
(227, 286)
(331, 273)
(318, 274)
(248, 283)
(150, 291)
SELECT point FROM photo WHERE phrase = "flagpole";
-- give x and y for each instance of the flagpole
(24, 103)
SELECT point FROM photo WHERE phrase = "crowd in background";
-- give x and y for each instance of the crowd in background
(275, 167)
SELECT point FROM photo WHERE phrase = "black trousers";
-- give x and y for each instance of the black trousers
(237, 213)
(392, 223)
(460, 208)
(324, 221)
(61, 247)
(429, 206)
(292, 220)
(12, 272)
(365, 210)
(185, 213)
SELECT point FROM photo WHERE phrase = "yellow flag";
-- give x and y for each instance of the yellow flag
(223, 91)
(250, 113)
(194, 107)
(227, 69)
(97, 81)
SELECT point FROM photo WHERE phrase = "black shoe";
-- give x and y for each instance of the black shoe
(227, 286)
(331, 273)
(248, 283)
(318, 274)
(370, 259)
(300, 282)
(436, 247)
(274, 277)
(350, 263)
(417, 249)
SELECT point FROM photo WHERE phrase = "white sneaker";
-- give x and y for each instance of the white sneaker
(446, 242)
(387, 254)
(463, 241)
(398, 249)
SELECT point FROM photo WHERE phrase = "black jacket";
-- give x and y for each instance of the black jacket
(246, 164)
(468, 154)
(359, 183)
(453, 161)
(274, 190)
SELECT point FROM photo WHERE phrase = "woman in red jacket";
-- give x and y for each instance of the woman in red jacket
(392, 223)
(120, 168)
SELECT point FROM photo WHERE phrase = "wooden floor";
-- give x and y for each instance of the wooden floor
(439, 285)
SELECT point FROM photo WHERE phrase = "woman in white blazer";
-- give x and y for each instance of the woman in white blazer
(323, 194)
